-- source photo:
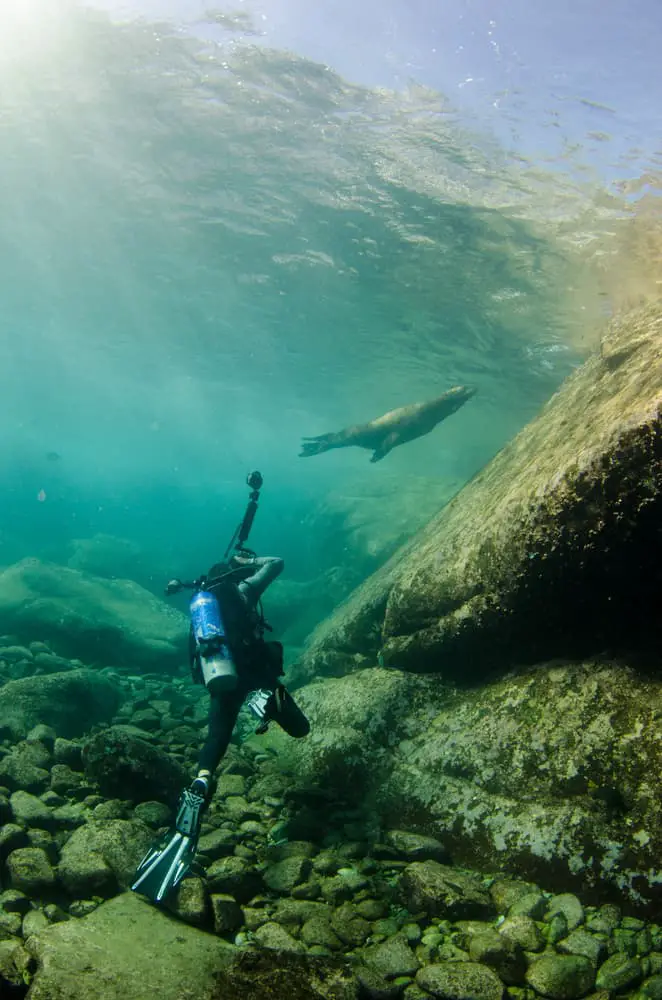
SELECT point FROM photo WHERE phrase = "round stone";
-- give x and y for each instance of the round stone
(460, 981)
(561, 977)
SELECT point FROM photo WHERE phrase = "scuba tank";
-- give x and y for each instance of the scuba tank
(219, 672)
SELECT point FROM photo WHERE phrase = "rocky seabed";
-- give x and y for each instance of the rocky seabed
(287, 877)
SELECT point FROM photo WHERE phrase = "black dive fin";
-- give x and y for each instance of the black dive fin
(170, 859)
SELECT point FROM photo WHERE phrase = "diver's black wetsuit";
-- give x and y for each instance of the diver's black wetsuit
(263, 673)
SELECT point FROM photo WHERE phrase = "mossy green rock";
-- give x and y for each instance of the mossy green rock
(392, 958)
(443, 891)
(581, 942)
(460, 981)
(619, 973)
(561, 977)
(30, 871)
(522, 932)
(651, 989)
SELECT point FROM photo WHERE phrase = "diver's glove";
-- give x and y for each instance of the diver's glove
(243, 558)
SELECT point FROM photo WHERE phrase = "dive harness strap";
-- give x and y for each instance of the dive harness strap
(167, 862)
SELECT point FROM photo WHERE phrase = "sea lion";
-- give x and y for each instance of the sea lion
(393, 428)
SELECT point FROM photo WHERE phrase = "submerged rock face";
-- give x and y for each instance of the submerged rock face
(110, 622)
(552, 550)
(70, 702)
(551, 773)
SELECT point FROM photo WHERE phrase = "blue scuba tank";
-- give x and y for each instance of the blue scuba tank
(219, 672)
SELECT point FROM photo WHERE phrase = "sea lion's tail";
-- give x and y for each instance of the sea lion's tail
(316, 445)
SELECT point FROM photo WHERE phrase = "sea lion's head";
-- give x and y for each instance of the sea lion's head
(455, 398)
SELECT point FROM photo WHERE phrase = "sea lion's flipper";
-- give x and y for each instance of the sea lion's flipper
(387, 445)
(316, 445)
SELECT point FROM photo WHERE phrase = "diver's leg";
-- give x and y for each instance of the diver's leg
(223, 712)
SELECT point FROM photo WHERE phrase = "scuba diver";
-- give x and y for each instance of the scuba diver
(230, 656)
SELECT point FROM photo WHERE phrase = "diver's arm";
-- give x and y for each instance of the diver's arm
(268, 568)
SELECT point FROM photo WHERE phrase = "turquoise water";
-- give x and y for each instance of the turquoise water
(209, 251)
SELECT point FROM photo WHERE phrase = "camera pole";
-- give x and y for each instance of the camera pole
(238, 540)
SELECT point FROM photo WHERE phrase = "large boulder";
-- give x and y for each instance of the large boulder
(552, 550)
(550, 773)
(128, 767)
(111, 622)
(125, 949)
(354, 720)
(71, 702)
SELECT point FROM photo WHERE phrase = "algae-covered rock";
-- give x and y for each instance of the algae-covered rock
(234, 877)
(71, 702)
(100, 856)
(127, 948)
(392, 958)
(271, 935)
(619, 973)
(97, 620)
(550, 550)
(129, 767)
(30, 871)
(15, 962)
(464, 766)
(24, 767)
(356, 721)
(443, 891)
(460, 981)
(561, 977)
